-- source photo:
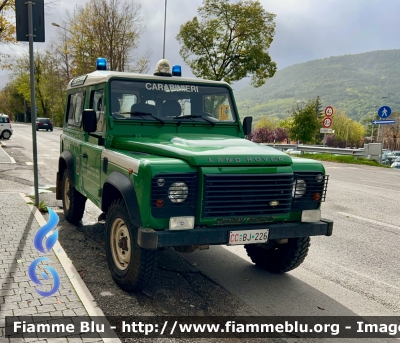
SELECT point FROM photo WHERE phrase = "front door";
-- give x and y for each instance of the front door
(90, 154)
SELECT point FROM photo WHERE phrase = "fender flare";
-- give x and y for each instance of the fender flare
(69, 161)
(121, 183)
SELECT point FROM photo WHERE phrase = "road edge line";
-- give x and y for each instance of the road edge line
(81, 290)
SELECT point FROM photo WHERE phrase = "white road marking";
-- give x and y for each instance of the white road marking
(369, 220)
(31, 163)
(352, 271)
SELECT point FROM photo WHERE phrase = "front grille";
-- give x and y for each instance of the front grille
(315, 190)
(162, 206)
(247, 195)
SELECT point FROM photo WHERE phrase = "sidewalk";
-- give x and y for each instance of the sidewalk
(19, 222)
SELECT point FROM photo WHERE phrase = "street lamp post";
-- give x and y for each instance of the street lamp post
(383, 127)
(248, 108)
(66, 53)
(299, 102)
(165, 25)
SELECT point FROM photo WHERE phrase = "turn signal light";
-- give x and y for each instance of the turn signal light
(316, 196)
(159, 202)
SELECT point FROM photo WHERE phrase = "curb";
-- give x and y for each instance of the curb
(81, 290)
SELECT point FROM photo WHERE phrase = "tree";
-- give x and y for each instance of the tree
(229, 42)
(305, 123)
(8, 29)
(49, 86)
(319, 113)
(347, 131)
(266, 121)
(105, 28)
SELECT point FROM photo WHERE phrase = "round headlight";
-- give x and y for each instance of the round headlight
(319, 178)
(178, 192)
(299, 188)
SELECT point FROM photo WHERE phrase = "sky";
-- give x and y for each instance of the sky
(305, 29)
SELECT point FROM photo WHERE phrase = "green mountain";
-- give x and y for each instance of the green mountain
(354, 84)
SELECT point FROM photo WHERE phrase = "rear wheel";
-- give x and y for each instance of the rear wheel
(279, 258)
(6, 134)
(73, 201)
(131, 266)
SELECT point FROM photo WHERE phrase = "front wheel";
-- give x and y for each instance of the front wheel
(73, 201)
(131, 266)
(279, 258)
(6, 134)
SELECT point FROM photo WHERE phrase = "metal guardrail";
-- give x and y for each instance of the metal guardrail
(318, 149)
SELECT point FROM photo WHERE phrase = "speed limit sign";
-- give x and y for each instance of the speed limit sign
(329, 111)
(327, 122)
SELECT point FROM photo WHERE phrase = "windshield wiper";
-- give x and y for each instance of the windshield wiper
(141, 114)
(190, 116)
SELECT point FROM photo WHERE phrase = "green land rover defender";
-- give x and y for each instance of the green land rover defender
(165, 158)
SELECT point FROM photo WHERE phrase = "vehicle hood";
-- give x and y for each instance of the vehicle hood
(203, 150)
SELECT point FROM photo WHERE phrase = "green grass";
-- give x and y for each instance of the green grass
(344, 159)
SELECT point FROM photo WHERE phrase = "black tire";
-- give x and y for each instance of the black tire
(131, 266)
(279, 258)
(51, 130)
(73, 201)
(47, 130)
(6, 134)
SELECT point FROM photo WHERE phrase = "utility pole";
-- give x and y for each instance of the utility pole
(165, 25)
(31, 13)
(24, 110)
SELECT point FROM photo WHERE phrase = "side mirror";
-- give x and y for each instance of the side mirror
(247, 121)
(89, 120)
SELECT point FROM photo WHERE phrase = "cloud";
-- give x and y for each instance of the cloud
(305, 30)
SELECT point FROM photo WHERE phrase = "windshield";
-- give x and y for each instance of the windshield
(170, 101)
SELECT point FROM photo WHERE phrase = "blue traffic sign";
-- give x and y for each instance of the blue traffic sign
(384, 122)
(384, 112)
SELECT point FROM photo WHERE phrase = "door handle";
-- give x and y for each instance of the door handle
(84, 155)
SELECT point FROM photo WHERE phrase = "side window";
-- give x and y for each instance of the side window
(75, 108)
(97, 104)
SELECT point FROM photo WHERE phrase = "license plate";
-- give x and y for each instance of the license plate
(248, 236)
(45, 124)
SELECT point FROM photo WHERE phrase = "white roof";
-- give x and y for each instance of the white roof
(100, 76)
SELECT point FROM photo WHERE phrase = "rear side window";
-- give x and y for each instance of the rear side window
(75, 108)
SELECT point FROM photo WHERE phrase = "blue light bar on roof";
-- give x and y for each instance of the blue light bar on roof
(101, 63)
(176, 70)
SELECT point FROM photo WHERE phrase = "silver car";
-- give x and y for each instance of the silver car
(6, 130)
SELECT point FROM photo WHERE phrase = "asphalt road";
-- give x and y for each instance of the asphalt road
(353, 272)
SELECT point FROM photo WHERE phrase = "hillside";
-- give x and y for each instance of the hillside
(352, 83)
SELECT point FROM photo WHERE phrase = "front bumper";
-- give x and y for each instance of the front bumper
(218, 235)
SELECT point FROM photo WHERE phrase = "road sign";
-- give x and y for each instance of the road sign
(325, 130)
(383, 122)
(329, 111)
(327, 122)
(384, 112)
(21, 13)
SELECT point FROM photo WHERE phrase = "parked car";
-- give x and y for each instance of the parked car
(396, 163)
(6, 130)
(292, 151)
(44, 124)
